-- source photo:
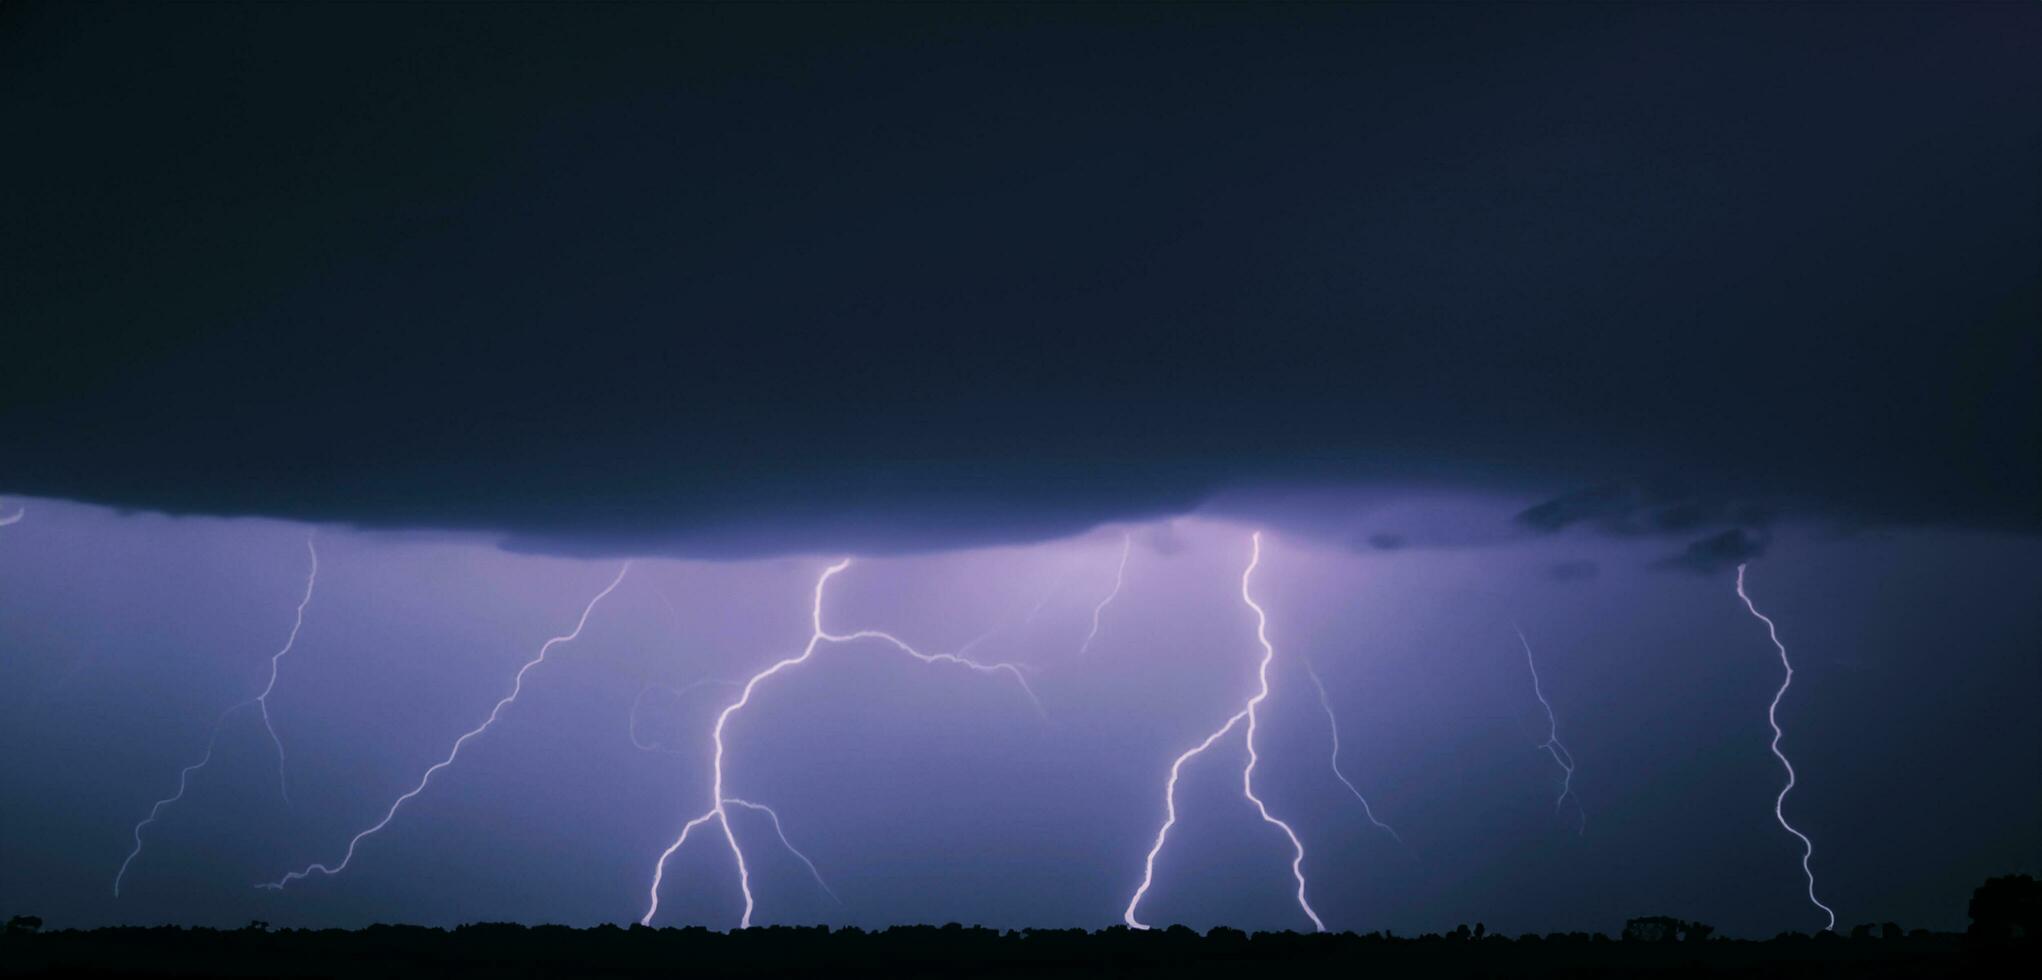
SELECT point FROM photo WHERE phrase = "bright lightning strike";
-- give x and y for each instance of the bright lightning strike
(718, 811)
(1561, 757)
(1333, 725)
(1247, 772)
(517, 686)
(261, 701)
(645, 746)
(1772, 717)
(1119, 577)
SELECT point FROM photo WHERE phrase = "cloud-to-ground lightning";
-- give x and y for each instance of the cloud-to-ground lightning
(1561, 757)
(1772, 715)
(770, 813)
(260, 701)
(1333, 726)
(720, 801)
(1119, 578)
(517, 686)
(1247, 772)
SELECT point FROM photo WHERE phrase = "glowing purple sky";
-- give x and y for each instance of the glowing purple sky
(931, 792)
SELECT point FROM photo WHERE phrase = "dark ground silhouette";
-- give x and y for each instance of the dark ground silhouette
(2001, 942)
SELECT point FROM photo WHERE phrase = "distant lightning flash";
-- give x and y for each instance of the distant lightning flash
(1772, 717)
(260, 701)
(1119, 577)
(1561, 757)
(183, 779)
(1047, 595)
(1247, 772)
(517, 686)
(14, 518)
(1011, 621)
(720, 801)
(1333, 725)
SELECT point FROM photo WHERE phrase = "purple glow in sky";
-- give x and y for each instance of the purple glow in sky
(902, 787)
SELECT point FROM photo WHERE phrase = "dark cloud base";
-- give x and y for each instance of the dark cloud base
(721, 281)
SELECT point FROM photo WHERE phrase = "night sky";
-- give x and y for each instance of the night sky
(1487, 317)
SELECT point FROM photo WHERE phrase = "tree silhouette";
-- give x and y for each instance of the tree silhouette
(1651, 929)
(2006, 911)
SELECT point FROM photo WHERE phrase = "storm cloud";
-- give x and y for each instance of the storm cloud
(723, 281)
(1724, 549)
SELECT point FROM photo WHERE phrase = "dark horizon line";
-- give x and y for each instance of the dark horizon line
(1178, 930)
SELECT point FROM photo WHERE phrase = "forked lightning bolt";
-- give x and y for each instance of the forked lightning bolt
(1119, 577)
(261, 701)
(645, 746)
(1561, 757)
(1247, 772)
(1333, 725)
(1773, 717)
(517, 685)
(781, 832)
(720, 801)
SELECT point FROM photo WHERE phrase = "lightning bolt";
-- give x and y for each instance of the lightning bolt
(1772, 717)
(1561, 757)
(14, 518)
(517, 686)
(1119, 577)
(1013, 619)
(791, 849)
(260, 701)
(718, 810)
(1333, 725)
(1248, 712)
(645, 746)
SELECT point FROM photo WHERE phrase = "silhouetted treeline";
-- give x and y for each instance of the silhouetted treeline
(2001, 941)
(493, 949)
